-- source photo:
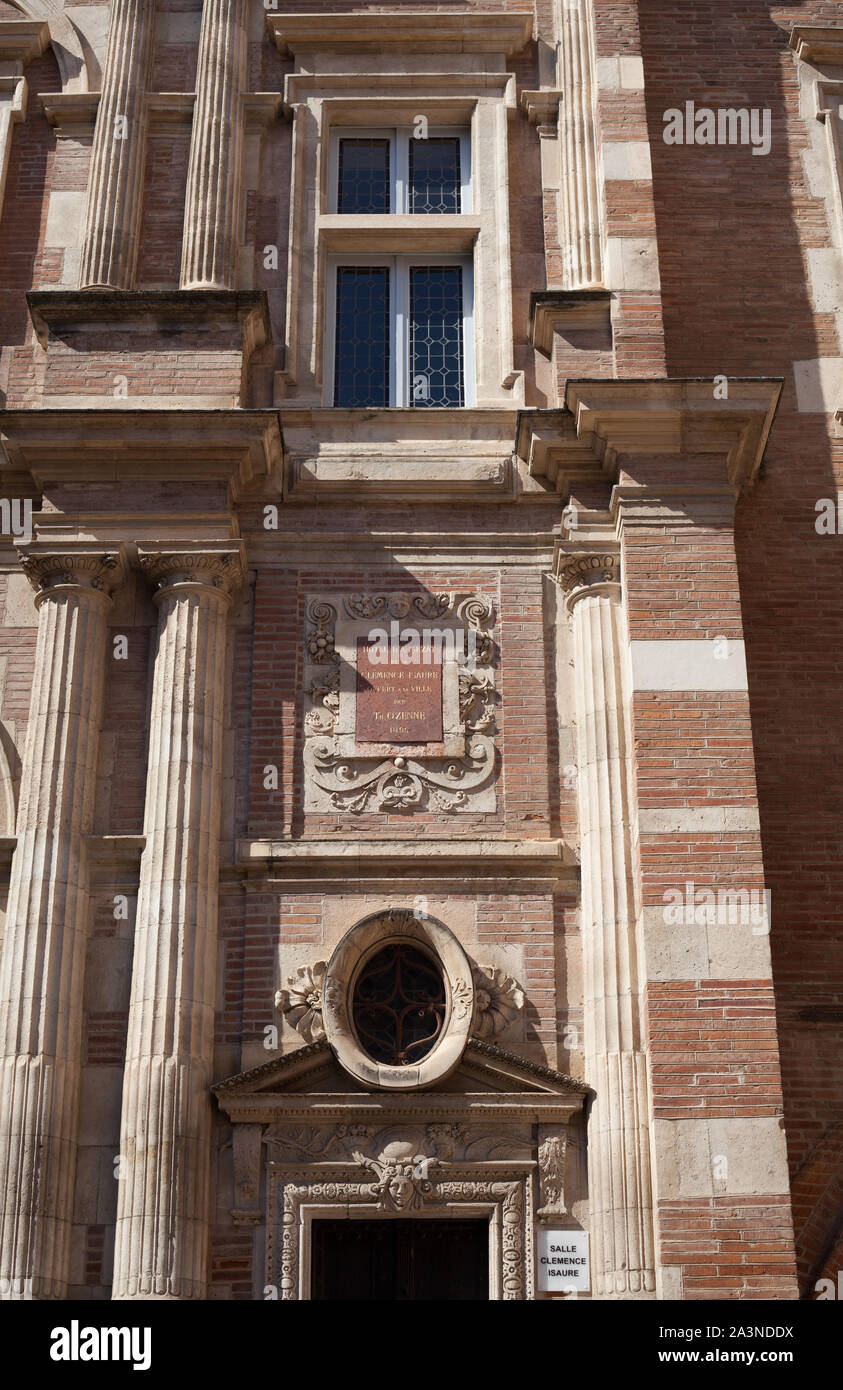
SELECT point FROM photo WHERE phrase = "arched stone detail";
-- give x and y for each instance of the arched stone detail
(66, 42)
(9, 778)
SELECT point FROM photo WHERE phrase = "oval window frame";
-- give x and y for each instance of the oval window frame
(354, 950)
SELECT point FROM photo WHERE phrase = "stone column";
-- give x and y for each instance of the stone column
(215, 175)
(43, 959)
(581, 206)
(620, 1198)
(162, 1211)
(115, 187)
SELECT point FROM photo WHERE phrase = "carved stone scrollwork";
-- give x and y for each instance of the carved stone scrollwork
(580, 573)
(401, 1177)
(344, 774)
(97, 570)
(220, 569)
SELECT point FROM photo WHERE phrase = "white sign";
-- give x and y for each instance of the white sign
(563, 1261)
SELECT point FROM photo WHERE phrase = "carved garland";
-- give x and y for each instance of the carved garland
(360, 784)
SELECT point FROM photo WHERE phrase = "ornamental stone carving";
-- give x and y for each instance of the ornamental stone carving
(401, 1177)
(553, 1145)
(486, 995)
(498, 1000)
(344, 772)
(302, 1002)
(215, 567)
(94, 569)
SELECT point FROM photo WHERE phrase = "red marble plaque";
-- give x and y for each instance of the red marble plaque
(395, 703)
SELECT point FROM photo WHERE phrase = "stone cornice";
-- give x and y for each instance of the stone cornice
(81, 567)
(818, 43)
(58, 313)
(524, 857)
(541, 107)
(21, 40)
(217, 565)
(104, 445)
(402, 31)
(676, 417)
(604, 420)
(557, 310)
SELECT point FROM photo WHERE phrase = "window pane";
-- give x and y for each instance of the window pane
(364, 176)
(436, 335)
(435, 175)
(361, 364)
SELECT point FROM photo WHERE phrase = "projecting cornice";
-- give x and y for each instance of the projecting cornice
(401, 31)
(560, 311)
(605, 420)
(87, 446)
(21, 40)
(818, 43)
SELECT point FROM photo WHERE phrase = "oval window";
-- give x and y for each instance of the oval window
(399, 1005)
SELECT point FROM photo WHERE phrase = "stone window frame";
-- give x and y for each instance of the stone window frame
(820, 49)
(399, 138)
(384, 80)
(356, 948)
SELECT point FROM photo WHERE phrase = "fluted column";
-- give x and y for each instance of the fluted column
(43, 959)
(115, 186)
(162, 1211)
(215, 174)
(580, 195)
(620, 1196)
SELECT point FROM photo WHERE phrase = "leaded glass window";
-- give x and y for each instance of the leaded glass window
(364, 182)
(434, 175)
(399, 1005)
(362, 336)
(436, 336)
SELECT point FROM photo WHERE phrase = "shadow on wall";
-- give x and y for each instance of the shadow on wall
(733, 227)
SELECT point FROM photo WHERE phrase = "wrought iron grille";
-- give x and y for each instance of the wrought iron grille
(436, 336)
(364, 181)
(399, 1005)
(361, 372)
(435, 182)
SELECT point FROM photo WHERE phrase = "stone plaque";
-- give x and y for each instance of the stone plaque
(396, 703)
(563, 1261)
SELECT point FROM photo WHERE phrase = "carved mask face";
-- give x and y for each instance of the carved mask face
(401, 1190)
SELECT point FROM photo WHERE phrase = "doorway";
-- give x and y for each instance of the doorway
(392, 1260)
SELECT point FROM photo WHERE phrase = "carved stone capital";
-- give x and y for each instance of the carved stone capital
(219, 569)
(51, 571)
(587, 571)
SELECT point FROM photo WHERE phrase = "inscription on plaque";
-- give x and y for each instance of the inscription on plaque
(395, 703)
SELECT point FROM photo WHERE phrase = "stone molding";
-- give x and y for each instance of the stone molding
(23, 39)
(818, 43)
(603, 420)
(397, 31)
(560, 311)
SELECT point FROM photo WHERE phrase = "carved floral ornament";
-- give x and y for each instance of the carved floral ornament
(484, 1000)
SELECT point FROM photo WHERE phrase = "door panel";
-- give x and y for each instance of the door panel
(399, 1260)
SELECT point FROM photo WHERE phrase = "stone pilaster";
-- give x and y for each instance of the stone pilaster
(162, 1213)
(112, 220)
(213, 204)
(581, 220)
(43, 959)
(620, 1200)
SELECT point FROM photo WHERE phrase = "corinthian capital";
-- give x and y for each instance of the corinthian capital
(586, 570)
(219, 567)
(48, 570)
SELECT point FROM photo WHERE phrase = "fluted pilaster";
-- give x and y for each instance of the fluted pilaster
(162, 1214)
(43, 958)
(212, 208)
(112, 220)
(620, 1197)
(580, 192)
